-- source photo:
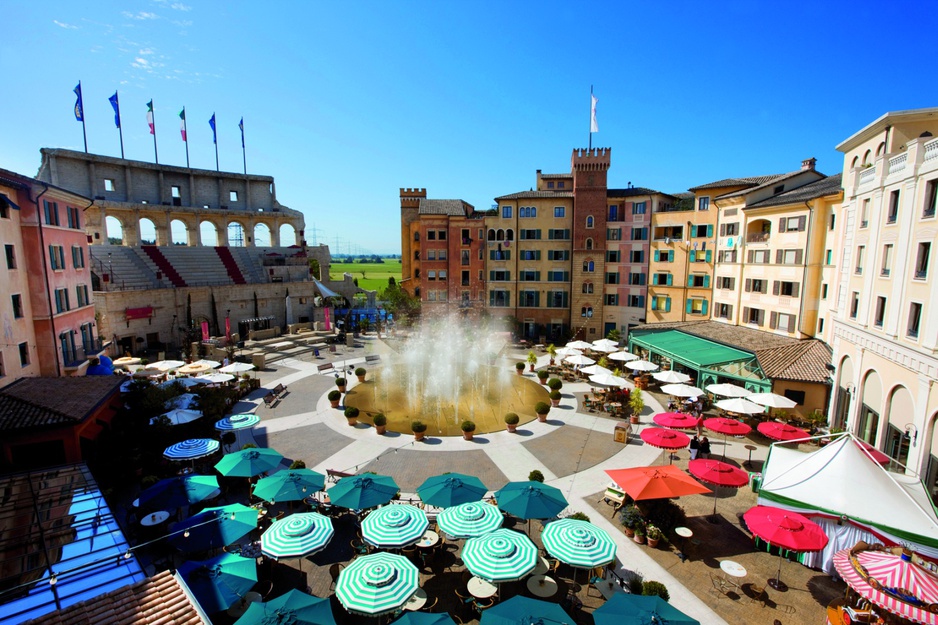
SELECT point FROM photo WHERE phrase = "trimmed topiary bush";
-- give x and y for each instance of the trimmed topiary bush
(380, 419)
(512, 418)
(351, 412)
(298, 464)
(542, 408)
(652, 588)
(555, 384)
(536, 476)
(334, 396)
(555, 395)
(340, 382)
(542, 374)
(519, 366)
(418, 426)
(360, 371)
(467, 426)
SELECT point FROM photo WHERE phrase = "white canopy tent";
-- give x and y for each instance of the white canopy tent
(840, 482)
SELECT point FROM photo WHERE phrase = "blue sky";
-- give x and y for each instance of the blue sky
(344, 103)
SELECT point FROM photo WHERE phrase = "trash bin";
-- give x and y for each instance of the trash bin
(332, 348)
(622, 432)
(316, 352)
(755, 482)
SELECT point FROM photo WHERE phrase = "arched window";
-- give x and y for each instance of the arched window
(589, 244)
(589, 221)
(416, 236)
(417, 255)
(417, 292)
(416, 273)
(491, 235)
(587, 287)
(856, 162)
(881, 149)
(500, 235)
(586, 311)
(588, 266)
(867, 158)
(509, 235)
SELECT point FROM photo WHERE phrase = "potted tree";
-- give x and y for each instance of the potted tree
(467, 427)
(552, 352)
(532, 360)
(636, 405)
(542, 376)
(381, 423)
(418, 427)
(651, 588)
(631, 518)
(340, 383)
(360, 372)
(541, 409)
(555, 398)
(653, 534)
(351, 413)
(639, 533)
(334, 398)
(511, 420)
(519, 367)
(536, 476)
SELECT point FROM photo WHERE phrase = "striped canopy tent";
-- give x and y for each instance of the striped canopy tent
(392, 527)
(297, 536)
(376, 584)
(191, 449)
(237, 422)
(500, 556)
(578, 543)
(470, 519)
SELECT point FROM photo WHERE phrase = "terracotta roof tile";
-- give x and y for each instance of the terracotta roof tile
(632, 191)
(532, 195)
(826, 186)
(456, 208)
(157, 600)
(38, 402)
(752, 181)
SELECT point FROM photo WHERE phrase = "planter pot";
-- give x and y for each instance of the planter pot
(543, 381)
(341, 389)
(352, 421)
(555, 402)
(531, 368)
(639, 538)
(633, 419)
(334, 404)
(467, 435)
(512, 428)
(361, 378)
(653, 542)
(418, 436)
(519, 371)
(381, 429)
(551, 362)
(542, 418)
(629, 532)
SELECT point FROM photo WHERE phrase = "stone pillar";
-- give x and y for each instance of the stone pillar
(194, 233)
(222, 233)
(274, 233)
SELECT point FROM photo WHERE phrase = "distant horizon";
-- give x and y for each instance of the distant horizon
(345, 104)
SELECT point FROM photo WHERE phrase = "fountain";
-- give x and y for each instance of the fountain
(443, 376)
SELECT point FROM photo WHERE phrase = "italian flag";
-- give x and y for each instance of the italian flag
(182, 124)
(150, 117)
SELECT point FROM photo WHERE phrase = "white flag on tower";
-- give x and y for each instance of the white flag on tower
(594, 127)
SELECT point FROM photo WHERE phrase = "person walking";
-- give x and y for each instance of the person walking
(704, 451)
(694, 447)
(700, 426)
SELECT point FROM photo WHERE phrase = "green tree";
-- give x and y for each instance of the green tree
(400, 303)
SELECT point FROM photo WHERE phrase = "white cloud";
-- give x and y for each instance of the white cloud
(145, 51)
(64, 25)
(140, 15)
(179, 6)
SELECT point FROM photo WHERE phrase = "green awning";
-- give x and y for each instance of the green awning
(689, 349)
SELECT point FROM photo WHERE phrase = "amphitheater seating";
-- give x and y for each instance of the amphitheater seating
(124, 268)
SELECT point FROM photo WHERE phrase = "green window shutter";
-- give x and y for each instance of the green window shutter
(704, 307)
(687, 307)
(709, 256)
(709, 230)
(654, 280)
(669, 279)
(707, 282)
(670, 256)
(690, 281)
(667, 304)
(657, 256)
(693, 256)
(537, 276)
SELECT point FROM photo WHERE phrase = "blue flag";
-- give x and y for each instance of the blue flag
(79, 107)
(117, 109)
(241, 126)
(211, 123)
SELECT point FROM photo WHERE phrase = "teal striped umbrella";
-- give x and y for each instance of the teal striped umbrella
(578, 543)
(175, 492)
(237, 422)
(289, 485)
(396, 526)
(219, 582)
(360, 492)
(297, 535)
(451, 489)
(500, 556)
(530, 500)
(470, 519)
(248, 462)
(213, 527)
(291, 608)
(191, 449)
(376, 584)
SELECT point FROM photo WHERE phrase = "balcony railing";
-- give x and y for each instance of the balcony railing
(867, 175)
(758, 237)
(75, 358)
(897, 164)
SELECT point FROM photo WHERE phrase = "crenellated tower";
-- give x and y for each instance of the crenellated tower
(589, 169)
(410, 205)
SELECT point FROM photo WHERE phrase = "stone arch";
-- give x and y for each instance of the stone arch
(491, 234)
(856, 162)
(509, 234)
(927, 468)
(114, 229)
(499, 235)
(148, 233)
(262, 234)
(899, 410)
(589, 244)
(868, 158)
(288, 235)
(843, 387)
(871, 408)
(881, 149)
(179, 232)
(237, 234)
(758, 230)
(208, 233)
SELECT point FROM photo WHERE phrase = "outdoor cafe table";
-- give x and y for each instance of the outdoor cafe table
(417, 601)
(608, 586)
(542, 585)
(480, 588)
(239, 607)
(542, 566)
(429, 539)
(733, 569)
(155, 518)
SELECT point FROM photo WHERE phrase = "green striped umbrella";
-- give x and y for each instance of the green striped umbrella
(291, 608)
(289, 485)
(297, 535)
(395, 526)
(470, 519)
(376, 584)
(451, 489)
(248, 462)
(578, 543)
(360, 492)
(500, 556)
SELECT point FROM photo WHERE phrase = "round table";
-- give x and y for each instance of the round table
(542, 566)
(684, 533)
(542, 586)
(480, 588)
(429, 539)
(417, 601)
(750, 448)
(154, 518)
(239, 607)
(733, 569)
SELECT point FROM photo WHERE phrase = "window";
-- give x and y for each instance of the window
(792, 224)
(613, 212)
(587, 287)
(417, 272)
(639, 234)
(639, 208)
(701, 230)
(703, 203)
(560, 185)
(887, 260)
(613, 256)
(786, 289)
(441, 254)
(931, 198)
(829, 257)
(754, 315)
(696, 306)
(865, 214)
(529, 235)
(499, 298)
(529, 299)
(759, 257)
(880, 314)
(233, 196)
(499, 255)
(431, 235)
(588, 266)
(431, 275)
(636, 301)
(661, 303)
(558, 254)
(915, 314)
(431, 296)
(589, 243)
(859, 268)
(921, 260)
(854, 304)
(466, 239)
(586, 311)
(78, 257)
(558, 299)
(756, 285)
(51, 211)
(550, 185)
(824, 291)
(820, 325)
(506, 212)
(416, 235)
(11, 256)
(893, 212)
(661, 279)
(637, 256)
(2, 370)
(57, 257)
(17, 306)
(729, 229)
(465, 278)
(611, 299)
(724, 282)
(431, 254)
(560, 211)
(61, 300)
(464, 257)
(108, 184)
(499, 275)
(24, 354)
(613, 234)
(558, 234)
(830, 225)
(525, 212)
(782, 321)
(558, 275)
(529, 275)
(788, 257)
(724, 311)
(698, 280)
(74, 217)
(701, 256)
(727, 256)
(81, 291)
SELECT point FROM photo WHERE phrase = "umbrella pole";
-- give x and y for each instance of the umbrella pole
(777, 583)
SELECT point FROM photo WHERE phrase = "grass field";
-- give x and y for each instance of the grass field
(371, 276)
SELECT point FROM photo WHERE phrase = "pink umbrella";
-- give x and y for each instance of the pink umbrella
(717, 473)
(786, 529)
(675, 420)
(727, 427)
(781, 431)
(665, 439)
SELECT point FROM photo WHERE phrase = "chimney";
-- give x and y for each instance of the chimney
(808, 164)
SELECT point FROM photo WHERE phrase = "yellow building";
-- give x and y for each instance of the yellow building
(885, 323)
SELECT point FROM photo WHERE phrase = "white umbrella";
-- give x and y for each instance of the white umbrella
(579, 345)
(622, 356)
(185, 382)
(594, 370)
(193, 367)
(166, 365)
(681, 390)
(641, 365)
(563, 352)
(236, 367)
(607, 379)
(605, 345)
(212, 364)
(215, 378)
(579, 360)
(179, 416)
(728, 390)
(739, 406)
(671, 377)
(772, 400)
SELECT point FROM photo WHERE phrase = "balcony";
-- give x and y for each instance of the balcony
(866, 176)
(72, 359)
(758, 237)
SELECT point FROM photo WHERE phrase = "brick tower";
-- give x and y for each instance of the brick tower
(589, 169)
(410, 204)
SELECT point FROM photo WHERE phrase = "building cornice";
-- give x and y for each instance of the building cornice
(901, 355)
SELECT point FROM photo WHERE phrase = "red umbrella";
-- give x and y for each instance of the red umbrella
(891, 581)
(727, 427)
(717, 473)
(876, 455)
(656, 482)
(786, 529)
(675, 420)
(665, 439)
(781, 431)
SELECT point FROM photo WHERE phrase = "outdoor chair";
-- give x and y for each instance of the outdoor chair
(359, 547)
(463, 598)
(596, 578)
(718, 585)
(334, 570)
(757, 594)
(481, 605)
(428, 607)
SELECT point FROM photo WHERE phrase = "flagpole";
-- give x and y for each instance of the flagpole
(186, 140)
(120, 128)
(81, 100)
(591, 118)
(215, 140)
(244, 156)
(156, 155)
